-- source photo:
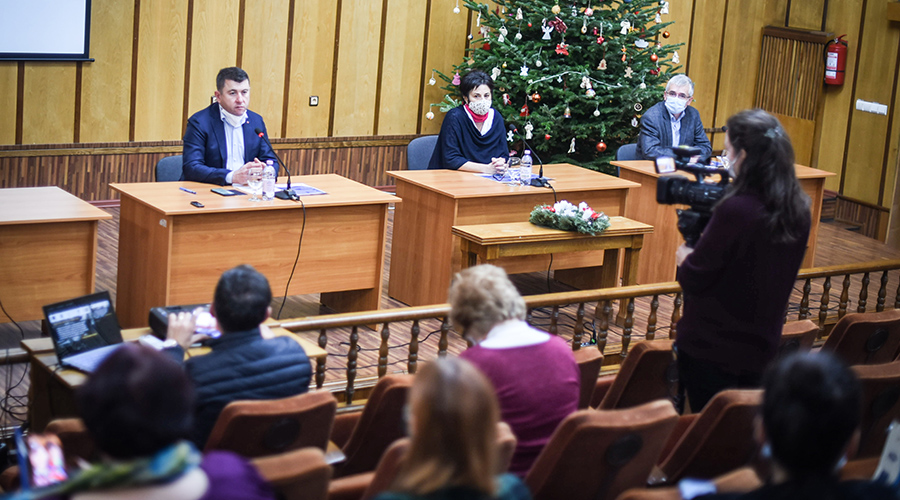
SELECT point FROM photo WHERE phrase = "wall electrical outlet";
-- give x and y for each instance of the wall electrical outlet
(313, 100)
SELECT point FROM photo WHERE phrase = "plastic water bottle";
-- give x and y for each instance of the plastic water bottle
(525, 167)
(269, 181)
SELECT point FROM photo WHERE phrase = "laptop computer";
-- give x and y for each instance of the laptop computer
(84, 330)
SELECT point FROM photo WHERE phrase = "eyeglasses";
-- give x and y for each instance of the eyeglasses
(672, 93)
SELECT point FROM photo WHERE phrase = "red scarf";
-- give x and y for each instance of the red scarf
(477, 118)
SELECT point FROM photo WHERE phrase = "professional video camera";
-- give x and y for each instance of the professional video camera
(700, 196)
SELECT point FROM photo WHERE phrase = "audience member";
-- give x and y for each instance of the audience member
(739, 276)
(220, 142)
(810, 423)
(473, 137)
(672, 122)
(453, 425)
(534, 373)
(242, 365)
(137, 408)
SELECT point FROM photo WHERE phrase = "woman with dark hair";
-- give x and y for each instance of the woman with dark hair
(453, 425)
(473, 136)
(810, 420)
(738, 278)
(138, 408)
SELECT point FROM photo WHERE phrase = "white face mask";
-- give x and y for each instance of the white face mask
(675, 105)
(480, 107)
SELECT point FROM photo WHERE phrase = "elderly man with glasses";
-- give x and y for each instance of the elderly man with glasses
(672, 122)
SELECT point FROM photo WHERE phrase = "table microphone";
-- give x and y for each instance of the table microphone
(540, 181)
(288, 193)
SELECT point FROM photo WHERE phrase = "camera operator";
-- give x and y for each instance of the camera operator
(738, 277)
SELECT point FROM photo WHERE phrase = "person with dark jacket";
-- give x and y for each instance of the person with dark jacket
(242, 365)
(672, 122)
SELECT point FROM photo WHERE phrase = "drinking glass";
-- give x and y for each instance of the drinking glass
(254, 181)
(512, 168)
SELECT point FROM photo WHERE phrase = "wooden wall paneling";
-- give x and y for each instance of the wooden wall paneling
(49, 103)
(213, 47)
(264, 56)
(446, 48)
(402, 68)
(844, 16)
(807, 14)
(357, 68)
(681, 14)
(865, 156)
(106, 82)
(312, 57)
(706, 44)
(9, 76)
(893, 202)
(160, 71)
(775, 10)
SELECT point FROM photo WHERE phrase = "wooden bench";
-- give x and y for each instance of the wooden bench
(490, 242)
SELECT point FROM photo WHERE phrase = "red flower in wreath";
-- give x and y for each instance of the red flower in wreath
(595, 216)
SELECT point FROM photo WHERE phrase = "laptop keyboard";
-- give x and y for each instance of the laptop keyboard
(90, 360)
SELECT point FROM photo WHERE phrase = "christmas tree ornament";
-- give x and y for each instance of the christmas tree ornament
(506, 99)
(572, 146)
(486, 46)
(559, 25)
(654, 57)
(601, 146)
(500, 38)
(658, 18)
(538, 63)
(597, 111)
(595, 31)
(555, 9)
(574, 11)
(478, 19)
(432, 81)
(524, 111)
(509, 136)
(666, 34)
(585, 82)
(485, 31)
(456, 9)
(589, 12)
(567, 113)
(562, 49)
(523, 71)
(600, 39)
(529, 128)
(536, 98)
(675, 58)
(634, 122)
(455, 80)
(504, 67)
(602, 65)
(547, 30)
(504, 31)
(638, 107)
(494, 73)
(584, 26)
(519, 15)
(663, 7)
(643, 85)
(625, 25)
(546, 137)
(518, 36)
(590, 92)
(429, 115)
(469, 36)
(628, 72)
(641, 43)
(654, 71)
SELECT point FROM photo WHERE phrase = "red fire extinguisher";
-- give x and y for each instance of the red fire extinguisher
(835, 61)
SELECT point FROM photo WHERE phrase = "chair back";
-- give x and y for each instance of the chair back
(797, 336)
(267, 427)
(627, 152)
(597, 454)
(589, 360)
(380, 424)
(881, 405)
(419, 151)
(170, 169)
(296, 475)
(743, 480)
(387, 468)
(647, 374)
(719, 440)
(866, 338)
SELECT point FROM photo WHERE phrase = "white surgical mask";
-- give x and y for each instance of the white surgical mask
(480, 107)
(675, 105)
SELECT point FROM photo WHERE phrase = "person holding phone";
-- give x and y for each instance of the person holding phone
(473, 136)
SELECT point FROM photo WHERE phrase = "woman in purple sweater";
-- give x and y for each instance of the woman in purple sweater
(739, 276)
(534, 373)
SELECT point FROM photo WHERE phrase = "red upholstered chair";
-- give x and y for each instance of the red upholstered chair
(300, 474)
(374, 429)
(648, 373)
(589, 360)
(881, 405)
(597, 454)
(267, 427)
(797, 336)
(718, 440)
(866, 338)
(741, 480)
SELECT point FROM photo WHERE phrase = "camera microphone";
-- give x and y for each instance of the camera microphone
(540, 181)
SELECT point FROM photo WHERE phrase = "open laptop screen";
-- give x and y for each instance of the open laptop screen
(83, 324)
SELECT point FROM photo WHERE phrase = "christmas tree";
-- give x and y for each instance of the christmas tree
(575, 77)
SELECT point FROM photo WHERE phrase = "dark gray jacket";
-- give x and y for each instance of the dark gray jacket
(655, 138)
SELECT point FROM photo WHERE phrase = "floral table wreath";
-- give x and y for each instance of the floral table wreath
(568, 217)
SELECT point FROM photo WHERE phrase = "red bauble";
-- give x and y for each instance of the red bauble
(601, 146)
(665, 34)
(547, 137)
(524, 111)
(654, 71)
(529, 25)
(536, 97)
(654, 57)
(486, 46)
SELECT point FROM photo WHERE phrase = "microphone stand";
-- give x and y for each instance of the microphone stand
(287, 193)
(540, 181)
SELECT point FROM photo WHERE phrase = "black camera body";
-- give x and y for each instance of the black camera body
(699, 195)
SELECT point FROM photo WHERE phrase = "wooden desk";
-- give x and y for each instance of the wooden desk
(424, 253)
(491, 242)
(172, 253)
(48, 249)
(658, 257)
(52, 390)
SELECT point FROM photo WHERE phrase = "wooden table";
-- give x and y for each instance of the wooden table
(491, 242)
(424, 253)
(659, 247)
(48, 249)
(52, 390)
(172, 253)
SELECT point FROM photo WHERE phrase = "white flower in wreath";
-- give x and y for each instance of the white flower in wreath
(587, 214)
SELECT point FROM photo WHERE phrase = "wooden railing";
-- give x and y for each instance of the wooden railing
(568, 313)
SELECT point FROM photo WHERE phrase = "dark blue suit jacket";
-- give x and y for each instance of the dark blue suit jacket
(655, 138)
(205, 152)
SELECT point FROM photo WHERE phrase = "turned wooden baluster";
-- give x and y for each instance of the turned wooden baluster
(351, 362)
(413, 347)
(442, 343)
(629, 325)
(554, 320)
(863, 294)
(651, 320)
(676, 315)
(823, 306)
(383, 350)
(845, 296)
(804, 302)
(882, 292)
(578, 330)
(603, 327)
(320, 361)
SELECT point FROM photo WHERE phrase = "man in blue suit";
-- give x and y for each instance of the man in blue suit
(672, 122)
(220, 145)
